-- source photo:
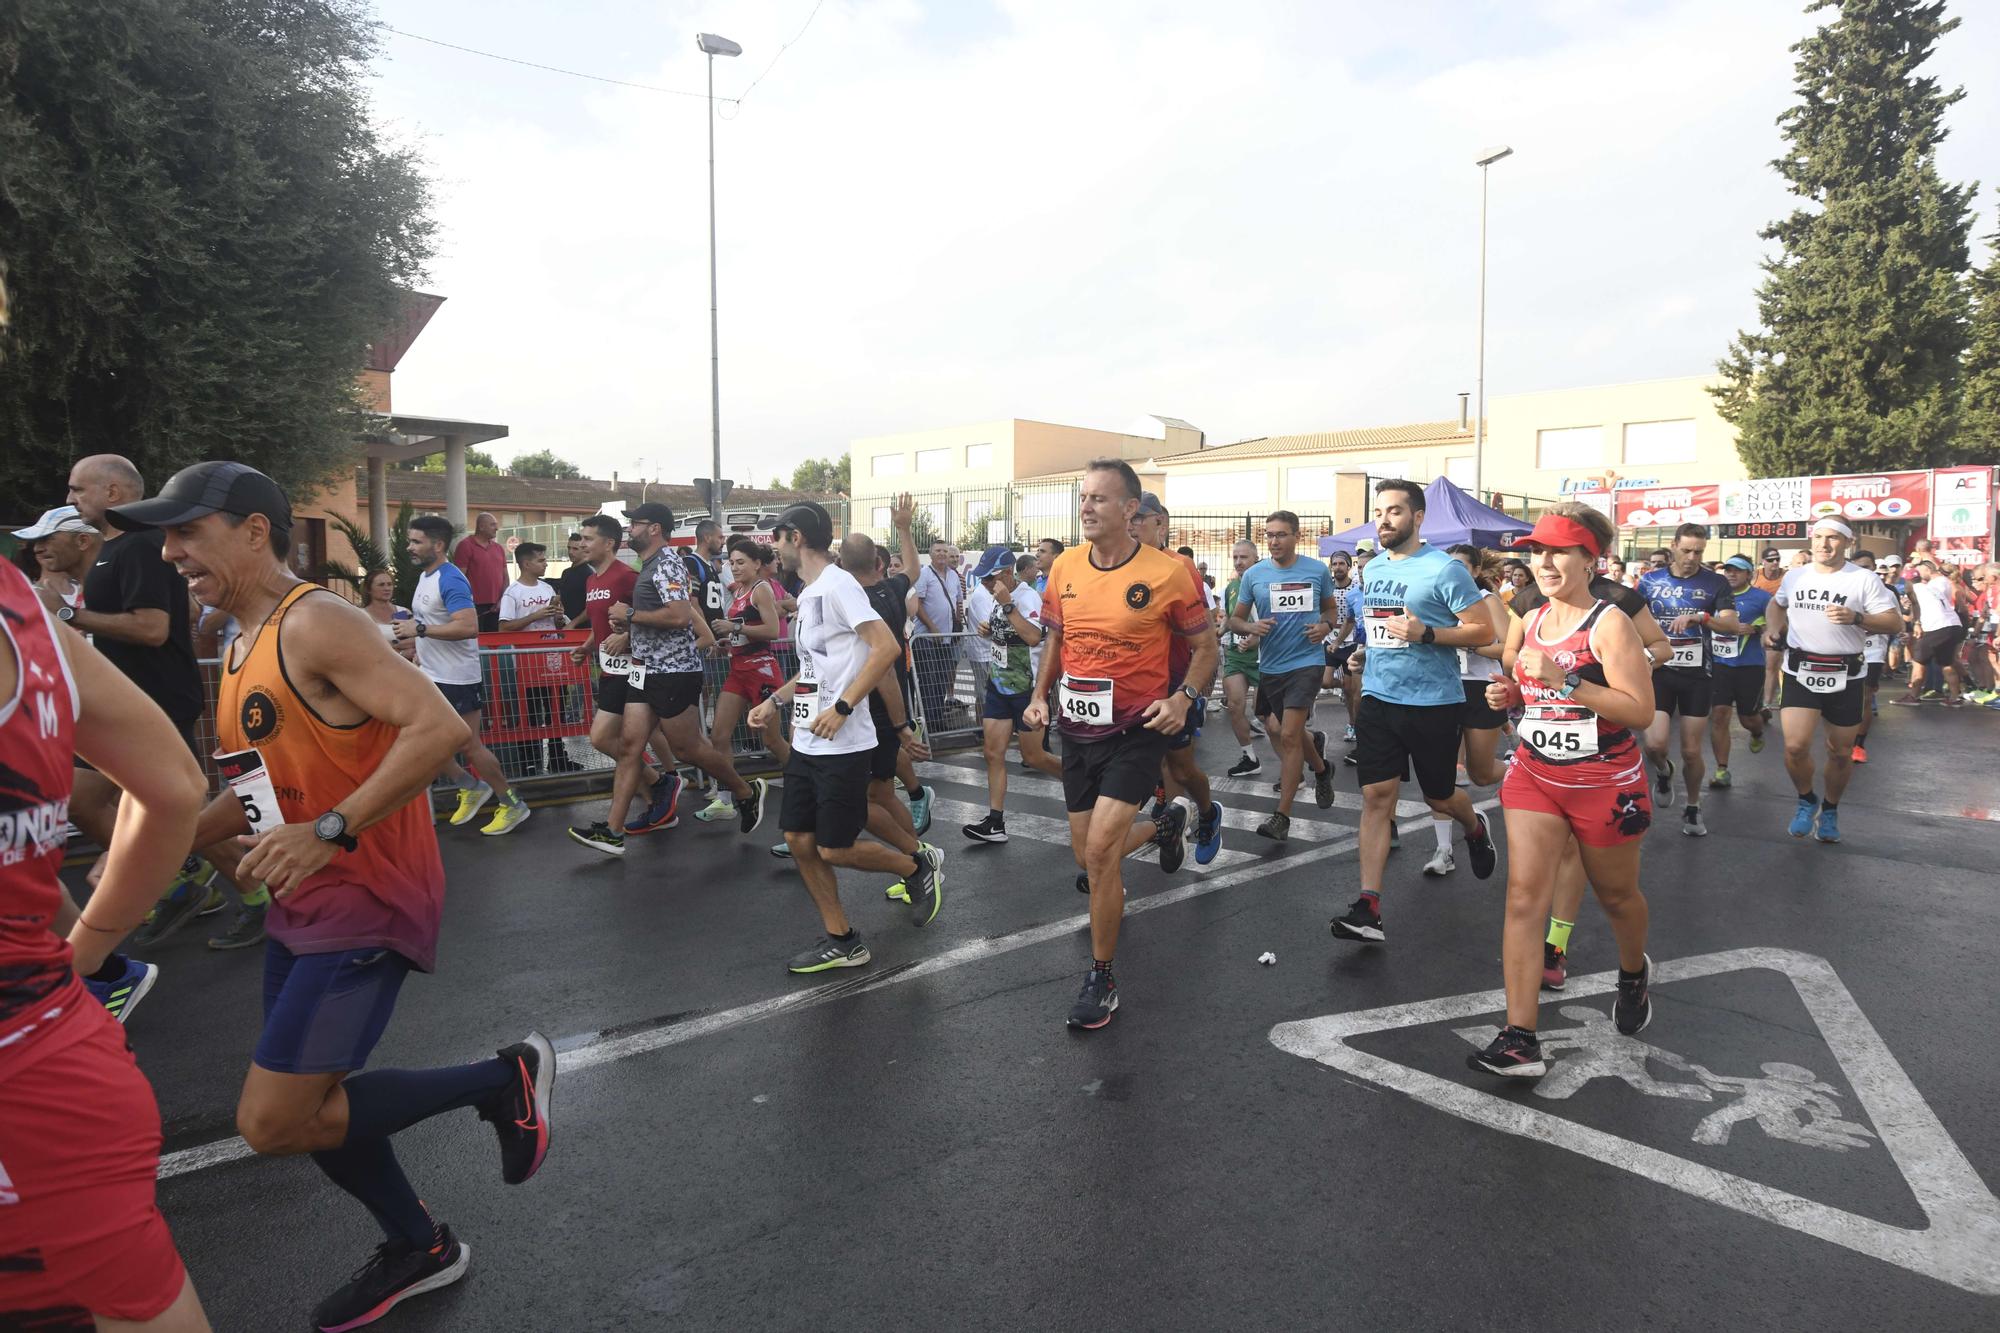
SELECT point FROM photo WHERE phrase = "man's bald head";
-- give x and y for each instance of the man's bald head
(859, 555)
(486, 525)
(101, 482)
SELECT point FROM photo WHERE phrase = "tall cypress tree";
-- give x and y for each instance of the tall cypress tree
(1864, 309)
(1980, 417)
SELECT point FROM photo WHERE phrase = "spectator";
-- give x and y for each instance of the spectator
(484, 563)
(378, 599)
(64, 547)
(571, 583)
(935, 601)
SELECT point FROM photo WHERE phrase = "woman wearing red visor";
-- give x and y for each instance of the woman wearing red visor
(1578, 673)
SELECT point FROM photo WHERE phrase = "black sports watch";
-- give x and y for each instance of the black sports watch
(1188, 690)
(66, 614)
(1430, 634)
(844, 708)
(332, 827)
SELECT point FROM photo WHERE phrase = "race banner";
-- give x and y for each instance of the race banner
(1881, 495)
(1757, 503)
(1962, 514)
(1668, 506)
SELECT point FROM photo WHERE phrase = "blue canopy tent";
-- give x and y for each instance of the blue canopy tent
(1450, 517)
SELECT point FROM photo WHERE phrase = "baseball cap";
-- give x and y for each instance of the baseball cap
(1742, 562)
(63, 518)
(810, 520)
(651, 512)
(1149, 503)
(1892, 559)
(209, 488)
(1365, 544)
(992, 560)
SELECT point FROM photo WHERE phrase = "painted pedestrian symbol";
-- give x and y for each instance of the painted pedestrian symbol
(1789, 1104)
(1596, 1049)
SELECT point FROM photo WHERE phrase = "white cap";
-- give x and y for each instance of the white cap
(1832, 524)
(63, 518)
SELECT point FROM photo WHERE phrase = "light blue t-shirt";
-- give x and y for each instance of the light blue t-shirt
(1433, 587)
(1354, 611)
(1305, 586)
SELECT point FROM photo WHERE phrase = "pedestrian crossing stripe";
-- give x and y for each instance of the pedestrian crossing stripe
(1961, 1246)
(1041, 828)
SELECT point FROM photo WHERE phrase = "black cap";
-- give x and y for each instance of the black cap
(811, 520)
(651, 512)
(209, 488)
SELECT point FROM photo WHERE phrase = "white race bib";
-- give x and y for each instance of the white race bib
(1086, 701)
(620, 664)
(1725, 646)
(244, 772)
(805, 704)
(1820, 675)
(1685, 652)
(1559, 730)
(1378, 628)
(1294, 598)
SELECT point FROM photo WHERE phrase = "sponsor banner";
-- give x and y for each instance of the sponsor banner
(1668, 506)
(1861, 498)
(1869, 497)
(1765, 500)
(1962, 514)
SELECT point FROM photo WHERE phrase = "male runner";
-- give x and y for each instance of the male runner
(844, 651)
(704, 565)
(1016, 631)
(1687, 600)
(1046, 551)
(331, 741)
(1340, 644)
(1239, 668)
(1286, 607)
(1821, 617)
(1114, 605)
(1739, 668)
(1875, 657)
(1940, 631)
(1181, 775)
(1355, 649)
(1420, 606)
(65, 547)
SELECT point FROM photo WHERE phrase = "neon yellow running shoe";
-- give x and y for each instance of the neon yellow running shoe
(507, 818)
(716, 809)
(470, 803)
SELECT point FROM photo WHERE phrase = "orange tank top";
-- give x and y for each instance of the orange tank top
(389, 891)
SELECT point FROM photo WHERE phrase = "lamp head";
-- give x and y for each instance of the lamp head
(1488, 156)
(716, 46)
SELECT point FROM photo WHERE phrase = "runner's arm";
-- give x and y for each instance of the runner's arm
(1627, 697)
(1030, 632)
(460, 624)
(1504, 692)
(1652, 639)
(1496, 615)
(1774, 626)
(146, 626)
(1472, 629)
(1881, 622)
(1207, 655)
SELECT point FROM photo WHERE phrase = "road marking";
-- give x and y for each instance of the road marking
(1055, 832)
(1961, 1246)
(1223, 786)
(606, 1050)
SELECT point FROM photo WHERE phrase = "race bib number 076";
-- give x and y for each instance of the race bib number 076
(1686, 653)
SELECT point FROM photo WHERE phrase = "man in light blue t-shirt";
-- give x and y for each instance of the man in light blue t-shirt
(1419, 606)
(1287, 606)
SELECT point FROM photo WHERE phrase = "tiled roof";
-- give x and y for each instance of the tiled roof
(1328, 442)
(583, 495)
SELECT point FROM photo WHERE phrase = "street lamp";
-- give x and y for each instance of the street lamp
(713, 46)
(1479, 423)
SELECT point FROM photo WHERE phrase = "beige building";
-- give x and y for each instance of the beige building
(1302, 472)
(1648, 433)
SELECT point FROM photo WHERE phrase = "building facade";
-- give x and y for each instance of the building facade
(1618, 436)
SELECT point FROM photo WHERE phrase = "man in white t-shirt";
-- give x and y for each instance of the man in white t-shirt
(1940, 632)
(936, 594)
(978, 649)
(1820, 619)
(531, 602)
(844, 649)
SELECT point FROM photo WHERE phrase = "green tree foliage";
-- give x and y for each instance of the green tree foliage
(478, 463)
(543, 463)
(1863, 311)
(368, 557)
(204, 233)
(1980, 418)
(824, 476)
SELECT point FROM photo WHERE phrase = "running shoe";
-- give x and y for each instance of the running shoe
(925, 889)
(1756, 745)
(1663, 779)
(396, 1271)
(1829, 825)
(782, 850)
(470, 802)
(1350, 759)
(1323, 780)
(122, 996)
(1691, 822)
(1555, 967)
(1634, 1006)
(830, 953)
(599, 837)
(750, 809)
(663, 810)
(1441, 863)
(507, 818)
(1083, 883)
(1257, 729)
(1347, 736)
(1395, 837)
(1513, 1053)
(1096, 1002)
(1479, 846)
(993, 828)
(1721, 781)
(247, 929)
(1860, 755)
(920, 809)
(1954, 701)
(191, 899)
(1461, 778)
(722, 807)
(1245, 766)
(1208, 834)
(1172, 836)
(1802, 818)
(1277, 827)
(1907, 700)
(1362, 922)
(519, 1113)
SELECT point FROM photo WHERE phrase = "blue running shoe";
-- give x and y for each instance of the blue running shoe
(1208, 835)
(122, 996)
(1829, 826)
(662, 811)
(1802, 818)
(920, 809)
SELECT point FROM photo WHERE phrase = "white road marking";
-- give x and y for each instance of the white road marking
(1043, 828)
(1259, 787)
(1961, 1246)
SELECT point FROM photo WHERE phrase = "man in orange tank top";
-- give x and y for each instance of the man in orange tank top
(329, 755)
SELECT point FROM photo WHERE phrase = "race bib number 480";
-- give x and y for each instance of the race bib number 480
(244, 771)
(1085, 700)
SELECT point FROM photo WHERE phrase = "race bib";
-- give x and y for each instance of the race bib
(805, 704)
(1469, 664)
(1294, 598)
(613, 664)
(1725, 646)
(1820, 675)
(1086, 701)
(1685, 652)
(1559, 731)
(1378, 618)
(244, 772)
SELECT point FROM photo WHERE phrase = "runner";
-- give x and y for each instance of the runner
(1821, 617)
(445, 626)
(1285, 605)
(1875, 657)
(1182, 781)
(1582, 680)
(1479, 726)
(749, 625)
(332, 741)
(1350, 686)
(1739, 669)
(1687, 600)
(1939, 632)
(844, 650)
(1015, 630)
(531, 602)
(1419, 606)
(1046, 551)
(1239, 667)
(1900, 646)
(65, 546)
(1341, 643)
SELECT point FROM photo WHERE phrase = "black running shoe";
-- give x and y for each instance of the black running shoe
(599, 837)
(1323, 780)
(1245, 766)
(1096, 1002)
(1513, 1053)
(926, 887)
(830, 953)
(1479, 846)
(397, 1271)
(1350, 759)
(1362, 922)
(1172, 837)
(1634, 1007)
(750, 809)
(519, 1114)
(1663, 780)
(993, 828)
(1083, 883)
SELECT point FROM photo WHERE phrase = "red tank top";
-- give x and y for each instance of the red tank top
(38, 990)
(743, 607)
(1615, 750)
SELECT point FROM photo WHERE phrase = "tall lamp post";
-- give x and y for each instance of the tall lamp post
(713, 46)
(1479, 421)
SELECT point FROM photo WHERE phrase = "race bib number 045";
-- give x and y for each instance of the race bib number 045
(1559, 731)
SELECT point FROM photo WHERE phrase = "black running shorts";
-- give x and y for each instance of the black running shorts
(1739, 687)
(882, 759)
(671, 693)
(611, 691)
(1392, 741)
(826, 795)
(1939, 647)
(1477, 716)
(1679, 690)
(1839, 710)
(1277, 692)
(1125, 767)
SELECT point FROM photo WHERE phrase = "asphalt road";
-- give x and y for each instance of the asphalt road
(924, 1145)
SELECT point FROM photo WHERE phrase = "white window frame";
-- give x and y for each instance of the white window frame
(888, 465)
(984, 458)
(878, 517)
(1657, 445)
(934, 460)
(1569, 448)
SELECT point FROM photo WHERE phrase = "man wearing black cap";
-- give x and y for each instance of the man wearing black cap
(844, 651)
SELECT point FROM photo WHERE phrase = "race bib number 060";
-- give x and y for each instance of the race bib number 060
(1823, 681)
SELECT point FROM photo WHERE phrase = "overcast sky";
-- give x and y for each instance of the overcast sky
(1260, 217)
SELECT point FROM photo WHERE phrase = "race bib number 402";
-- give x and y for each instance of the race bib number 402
(1087, 701)
(244, 771)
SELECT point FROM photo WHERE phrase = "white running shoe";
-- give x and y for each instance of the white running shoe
(716, 809)
(1441, 862)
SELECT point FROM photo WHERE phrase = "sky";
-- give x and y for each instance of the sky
(1260, 217)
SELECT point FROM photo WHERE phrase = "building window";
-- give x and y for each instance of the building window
(940, 518)
(979, 455)
(1569, 447)
(888, 465)
(1206, 490)
(978, 511)
(878, 518)
(1650, 442)
(1308, 486)
(933, 460)
(1460, 472)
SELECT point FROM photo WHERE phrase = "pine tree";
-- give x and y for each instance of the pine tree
(1863, 312)
(1979, 431)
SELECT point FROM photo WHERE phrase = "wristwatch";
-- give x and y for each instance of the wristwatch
(907, 724)
(66, 614)
(332, 827)
(1570, 682)
(842, 707)
(1430, 634)
(423, 630)
(1189, 691)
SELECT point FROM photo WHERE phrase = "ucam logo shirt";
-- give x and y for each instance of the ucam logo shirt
(1433, 587)
(1807, 593)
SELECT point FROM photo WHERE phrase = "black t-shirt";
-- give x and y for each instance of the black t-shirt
(1629, 600)
(713, 597)
(890, 598)
(131, 575)
(572, 586)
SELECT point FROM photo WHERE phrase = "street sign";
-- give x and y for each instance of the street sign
(714, 502)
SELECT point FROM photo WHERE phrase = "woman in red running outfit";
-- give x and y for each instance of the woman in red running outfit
(750, 628)
(1582, 681)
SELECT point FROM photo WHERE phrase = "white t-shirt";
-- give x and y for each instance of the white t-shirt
(519, 600)
(979, 608)
(938, 590)
(831, 653)
(1806, 592)
(439, 594)
(1028, 601)
(1937, 604)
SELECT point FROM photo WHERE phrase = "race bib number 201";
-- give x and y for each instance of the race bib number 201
(244, 771)
(1294, 598)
